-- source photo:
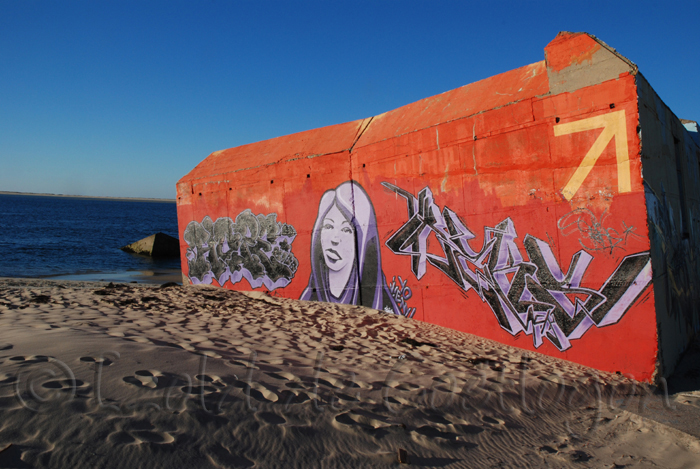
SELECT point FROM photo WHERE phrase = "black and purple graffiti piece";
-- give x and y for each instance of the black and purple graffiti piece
(402, 293)
(257, 248)
(346, 264)
(535, 296)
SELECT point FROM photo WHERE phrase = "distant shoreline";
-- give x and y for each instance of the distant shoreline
(132, 199)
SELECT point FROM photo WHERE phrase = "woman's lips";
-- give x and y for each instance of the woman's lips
(332, 255)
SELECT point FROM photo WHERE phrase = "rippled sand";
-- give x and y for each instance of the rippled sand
(97, 375)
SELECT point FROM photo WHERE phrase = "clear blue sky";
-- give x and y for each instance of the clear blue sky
(123, 98)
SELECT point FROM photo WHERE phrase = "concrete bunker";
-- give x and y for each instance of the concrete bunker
(553, 207)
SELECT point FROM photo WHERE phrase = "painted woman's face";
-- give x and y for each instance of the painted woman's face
(337, 240)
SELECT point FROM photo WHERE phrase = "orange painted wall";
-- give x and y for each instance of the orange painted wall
(501, 149)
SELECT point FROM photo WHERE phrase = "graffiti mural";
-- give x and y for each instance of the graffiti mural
(255, 247)
(346, 265)
(533, 296)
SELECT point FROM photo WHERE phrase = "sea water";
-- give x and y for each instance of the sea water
(42, 236)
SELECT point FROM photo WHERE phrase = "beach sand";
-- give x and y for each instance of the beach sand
(123, 375)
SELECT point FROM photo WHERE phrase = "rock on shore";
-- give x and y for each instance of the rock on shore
(156, 245)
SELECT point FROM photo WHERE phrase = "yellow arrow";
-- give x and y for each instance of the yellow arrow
(614, 125)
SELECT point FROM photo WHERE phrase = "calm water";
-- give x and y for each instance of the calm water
(49, 236)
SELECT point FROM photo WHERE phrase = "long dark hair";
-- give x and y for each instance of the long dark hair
(367, 284)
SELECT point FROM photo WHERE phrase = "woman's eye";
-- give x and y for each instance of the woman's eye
(346, 230)
(327, 226)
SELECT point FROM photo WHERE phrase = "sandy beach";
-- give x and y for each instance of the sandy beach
(121, 375)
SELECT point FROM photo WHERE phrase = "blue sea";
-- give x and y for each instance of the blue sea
(79, 239)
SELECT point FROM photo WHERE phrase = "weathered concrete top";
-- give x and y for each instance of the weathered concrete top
(565, 56)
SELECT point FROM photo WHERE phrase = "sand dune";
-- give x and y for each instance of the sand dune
(97, 375)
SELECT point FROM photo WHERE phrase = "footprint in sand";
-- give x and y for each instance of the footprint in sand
(332, 382)
(29, 360)
(243, 364)
(11, 456)
(443, 379)
(493, 421)
(146, 436)
(63, 384)
(213, 380)
(199, 389)
(154, 379)
(99, 360)
(140, 436)
(399, 401)
(275, 361)
(295, 385)
(288, 397)
(469, 429)
(431, 437)
(404, 386)
(6, 378)
(5, 346)
(435, 418)
(261, 393)
(139, 339)
(282, 376)
(139, 431)
(271, 418)
(223, 457)
(266, 367)
(369, 422)
(77, 388)
(207, 385)
(120, 438)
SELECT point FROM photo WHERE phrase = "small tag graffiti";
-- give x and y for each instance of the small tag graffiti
(593, 235)
(402, 293)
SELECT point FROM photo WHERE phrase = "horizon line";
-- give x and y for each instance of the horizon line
(41, 194)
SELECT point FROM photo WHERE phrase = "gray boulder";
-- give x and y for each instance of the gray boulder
(156, 245)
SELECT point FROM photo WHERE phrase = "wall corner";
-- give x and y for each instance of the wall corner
(576, 60)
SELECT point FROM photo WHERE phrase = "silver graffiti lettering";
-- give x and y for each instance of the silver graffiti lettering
(257, 248)
(533, 296)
